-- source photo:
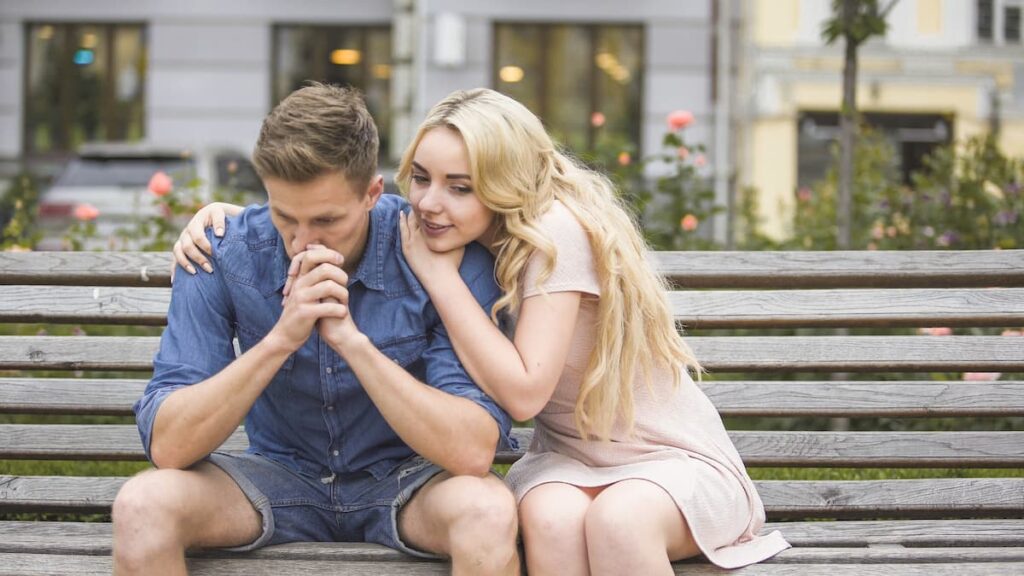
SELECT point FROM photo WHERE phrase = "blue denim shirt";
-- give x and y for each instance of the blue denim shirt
(314, 416)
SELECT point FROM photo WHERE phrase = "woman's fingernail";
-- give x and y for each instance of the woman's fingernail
(219, 232)
(208, 268)
(191, 269)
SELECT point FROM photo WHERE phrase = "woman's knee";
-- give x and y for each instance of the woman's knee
(545, 515)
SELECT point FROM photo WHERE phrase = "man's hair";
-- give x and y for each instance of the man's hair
(318, 129)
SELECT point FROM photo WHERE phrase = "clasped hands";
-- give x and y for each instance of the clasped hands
(316, 296)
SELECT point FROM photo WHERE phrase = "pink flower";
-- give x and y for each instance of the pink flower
(597, 119)
(981, 376)
(803, 194)
(689, 223)
(700, 160)
(160, 184)
(877, 232)
(624, 158)
(679, 119)
(890, 231)
(683, 152)
(85, 212)
(945, 331)
(1012, 333)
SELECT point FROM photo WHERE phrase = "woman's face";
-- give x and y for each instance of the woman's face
(442, 193)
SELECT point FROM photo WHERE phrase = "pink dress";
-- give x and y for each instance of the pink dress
(678, 442)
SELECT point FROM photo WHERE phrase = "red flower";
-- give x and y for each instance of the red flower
(160, 184)
(597, 119)
(85, 212)
(689, 223)
(624, 158)
(679, 119)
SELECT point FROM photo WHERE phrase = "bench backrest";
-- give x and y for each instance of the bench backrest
(799, 346)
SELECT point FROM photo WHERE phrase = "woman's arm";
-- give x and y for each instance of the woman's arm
(520, 376)
(192, 245)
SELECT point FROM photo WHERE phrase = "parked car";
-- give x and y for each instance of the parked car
(110, 183)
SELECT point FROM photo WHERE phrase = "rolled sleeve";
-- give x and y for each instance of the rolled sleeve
(196, 344)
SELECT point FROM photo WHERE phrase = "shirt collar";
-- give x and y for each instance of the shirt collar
(371, 267)
(280, 265)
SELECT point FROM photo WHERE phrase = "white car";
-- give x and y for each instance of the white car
(110, 181)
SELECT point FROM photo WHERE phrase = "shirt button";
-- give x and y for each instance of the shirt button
(335, 452)
(331, 407)
(329, 369)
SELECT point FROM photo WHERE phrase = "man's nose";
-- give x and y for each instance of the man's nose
(303, 237)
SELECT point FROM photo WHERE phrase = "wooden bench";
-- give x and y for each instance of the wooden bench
(785, 316)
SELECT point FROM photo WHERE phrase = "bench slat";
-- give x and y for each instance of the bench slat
(93, 538)
(838, 269)
(851, 308)
(732, 398)
(757, 448)
(783, 499)
(693, 309)
(84, 304)
(100, 396)
(717, 353)
(866, 399)
(869, 565)
(923, 269)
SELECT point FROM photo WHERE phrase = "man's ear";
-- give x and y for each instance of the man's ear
(374, 191)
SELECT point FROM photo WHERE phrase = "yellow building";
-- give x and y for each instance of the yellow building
(945, 71)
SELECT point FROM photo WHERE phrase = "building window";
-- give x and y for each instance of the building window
(985, 20)
(1011, 25)
(83, 83)
(356, 56)
(584, 81)
(912, 136)
(999, 21)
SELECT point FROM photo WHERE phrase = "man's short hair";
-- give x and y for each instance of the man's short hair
(318, 129)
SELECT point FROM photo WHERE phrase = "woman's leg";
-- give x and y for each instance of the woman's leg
(634, 527)
(551, 516)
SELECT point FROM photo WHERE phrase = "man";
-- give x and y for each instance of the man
(340, 385)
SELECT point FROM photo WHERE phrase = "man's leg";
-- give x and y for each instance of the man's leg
(160, 513)
(471, 519)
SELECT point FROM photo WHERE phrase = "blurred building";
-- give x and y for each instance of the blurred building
(945, 71)
(194, 72)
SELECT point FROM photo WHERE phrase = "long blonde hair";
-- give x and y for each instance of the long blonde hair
(517, 172)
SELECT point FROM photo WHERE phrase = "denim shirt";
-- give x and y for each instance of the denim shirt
(314, 417)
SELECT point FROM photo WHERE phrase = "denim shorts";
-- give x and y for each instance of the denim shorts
(344, 508)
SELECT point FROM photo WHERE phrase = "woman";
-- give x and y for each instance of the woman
(630, 465)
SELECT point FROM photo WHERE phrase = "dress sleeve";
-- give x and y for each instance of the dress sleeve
(574, 269)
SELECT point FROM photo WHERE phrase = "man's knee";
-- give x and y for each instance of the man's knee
(143, 517)
(483, 504)
(141, 498)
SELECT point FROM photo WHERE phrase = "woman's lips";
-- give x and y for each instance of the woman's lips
(434, 230)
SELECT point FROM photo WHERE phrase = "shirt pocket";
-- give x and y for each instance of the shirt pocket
(249, 337)
(406, 350)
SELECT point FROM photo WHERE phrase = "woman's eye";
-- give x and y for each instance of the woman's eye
(419, 178)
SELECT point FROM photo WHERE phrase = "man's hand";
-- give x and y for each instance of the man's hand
(338, 331)
(316, 292)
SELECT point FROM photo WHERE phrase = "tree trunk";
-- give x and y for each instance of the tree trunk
(847, 131)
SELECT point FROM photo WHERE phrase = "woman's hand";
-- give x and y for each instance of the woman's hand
(425, 263)
(192, 245)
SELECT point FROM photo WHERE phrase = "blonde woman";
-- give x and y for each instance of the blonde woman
(630, 466)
